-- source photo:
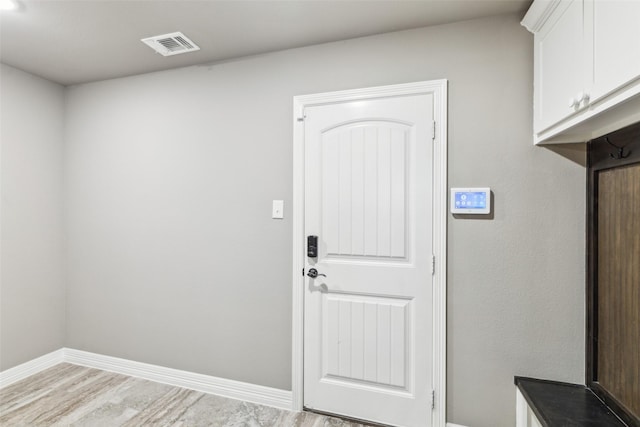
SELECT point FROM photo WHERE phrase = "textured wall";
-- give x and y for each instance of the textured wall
(174, 259)
(32, 292)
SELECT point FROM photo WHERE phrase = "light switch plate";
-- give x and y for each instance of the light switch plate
(277, 211)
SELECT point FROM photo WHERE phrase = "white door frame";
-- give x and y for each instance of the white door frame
(438, 88)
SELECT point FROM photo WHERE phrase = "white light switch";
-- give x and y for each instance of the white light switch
(278, 209)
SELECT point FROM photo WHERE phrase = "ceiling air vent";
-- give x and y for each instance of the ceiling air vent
(171, 44)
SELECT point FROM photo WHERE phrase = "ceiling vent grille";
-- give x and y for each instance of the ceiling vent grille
(171, 44)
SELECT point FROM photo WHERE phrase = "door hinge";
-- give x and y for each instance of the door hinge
(433, 130)
(433, 265)
(303, 272)
(302, 114)
(433, 399)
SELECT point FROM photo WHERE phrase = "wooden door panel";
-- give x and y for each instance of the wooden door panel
(619, 284)
(364, 191)
(366, 342)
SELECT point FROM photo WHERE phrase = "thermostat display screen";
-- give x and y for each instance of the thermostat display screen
(470, 200)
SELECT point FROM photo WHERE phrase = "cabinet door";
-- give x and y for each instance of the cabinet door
(616, 44)
(560, 65)
(525, 416)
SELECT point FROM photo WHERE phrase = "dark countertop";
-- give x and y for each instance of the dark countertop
(559, 404)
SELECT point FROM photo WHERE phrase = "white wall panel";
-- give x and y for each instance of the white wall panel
(32, 274)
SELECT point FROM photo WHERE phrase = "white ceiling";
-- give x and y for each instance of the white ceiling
(77, 41)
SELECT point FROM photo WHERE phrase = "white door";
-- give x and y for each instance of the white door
(368, 315)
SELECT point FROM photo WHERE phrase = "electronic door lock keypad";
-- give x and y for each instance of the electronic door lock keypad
(312, 246)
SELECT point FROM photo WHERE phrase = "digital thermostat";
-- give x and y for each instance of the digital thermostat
(470, 200)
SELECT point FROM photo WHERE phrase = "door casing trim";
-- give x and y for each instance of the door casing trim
(438, 88)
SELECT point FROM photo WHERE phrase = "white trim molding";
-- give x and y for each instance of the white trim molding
(31, 367)
(538, 14)
(205, 383)
(438, 88)
(454, 425)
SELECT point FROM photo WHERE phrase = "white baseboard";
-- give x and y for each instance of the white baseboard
(262, 395)
(31, 367)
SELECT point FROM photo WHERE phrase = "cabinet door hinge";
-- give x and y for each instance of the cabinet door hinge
(433, 399)
(433, 130)
(433, 265)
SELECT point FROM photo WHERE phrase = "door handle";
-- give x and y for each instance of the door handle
(313, 273)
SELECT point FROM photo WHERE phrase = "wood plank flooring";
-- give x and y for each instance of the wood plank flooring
(71, 395)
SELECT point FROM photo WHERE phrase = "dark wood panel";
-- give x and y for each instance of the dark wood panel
(618, 284)
(616, 149)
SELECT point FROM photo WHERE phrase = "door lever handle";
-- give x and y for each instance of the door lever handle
(313, 273)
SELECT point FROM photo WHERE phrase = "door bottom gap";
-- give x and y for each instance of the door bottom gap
(364, 423)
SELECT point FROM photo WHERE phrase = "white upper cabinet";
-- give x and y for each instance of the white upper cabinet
(616, 45)
(560, 62)
(586, 67)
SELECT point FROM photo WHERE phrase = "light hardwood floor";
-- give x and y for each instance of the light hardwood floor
(71, 395)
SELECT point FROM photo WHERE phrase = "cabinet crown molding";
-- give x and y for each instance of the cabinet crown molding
(538, 14)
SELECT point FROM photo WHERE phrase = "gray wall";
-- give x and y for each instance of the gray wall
(32, 292)
(174, 259)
